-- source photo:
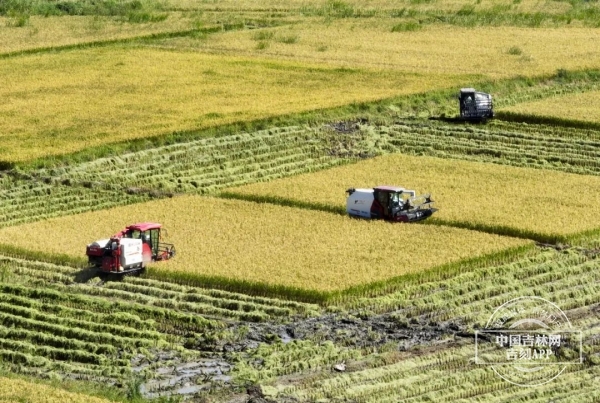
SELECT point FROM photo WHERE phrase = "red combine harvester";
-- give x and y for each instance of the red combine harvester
(130, 250)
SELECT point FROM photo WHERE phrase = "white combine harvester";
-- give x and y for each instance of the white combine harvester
(389, 203)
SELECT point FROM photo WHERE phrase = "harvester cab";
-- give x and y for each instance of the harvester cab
(389, 203)
(130, 250)
(475, 105)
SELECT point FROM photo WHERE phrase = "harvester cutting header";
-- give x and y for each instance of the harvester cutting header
(389, 203)
(130, 250)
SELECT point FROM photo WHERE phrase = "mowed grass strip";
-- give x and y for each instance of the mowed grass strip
(501, 52)
(538, 204)
(274, 245)
(64, 102)
(18, 390)
(583, 107)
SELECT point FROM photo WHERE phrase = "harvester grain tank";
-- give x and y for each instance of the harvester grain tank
(130, 250)
(389, 203)
(475, 105)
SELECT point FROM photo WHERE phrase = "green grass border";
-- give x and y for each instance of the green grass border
(590, 238)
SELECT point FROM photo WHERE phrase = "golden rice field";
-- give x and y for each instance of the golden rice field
(18, 390)
(67, 101)
(268, 244)
(541, 201)
(547, 6)
(435, 49)
(583, 106)
(52, 31)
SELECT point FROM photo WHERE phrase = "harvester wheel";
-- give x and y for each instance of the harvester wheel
(172, 252)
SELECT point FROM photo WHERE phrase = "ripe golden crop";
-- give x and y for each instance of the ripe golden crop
(542, 201)
(268, 244)
(434, 49)
(18, 390)
(360, 6)
(53, 31)
(583, 106)
(64, 102)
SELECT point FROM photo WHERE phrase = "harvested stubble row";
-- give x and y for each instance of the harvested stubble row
(30, 201)
(86, 331)
(444, 375)
(569, 281)
(538, 204)
(271, 360)
(528, 146)
(279, 246)
(207, 164)
(231, 297)
(198, 167)
(161, 303)
(39, 366)
(73, 327)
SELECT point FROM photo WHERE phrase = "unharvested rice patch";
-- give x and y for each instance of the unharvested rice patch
(541, 201)
(268, 244)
